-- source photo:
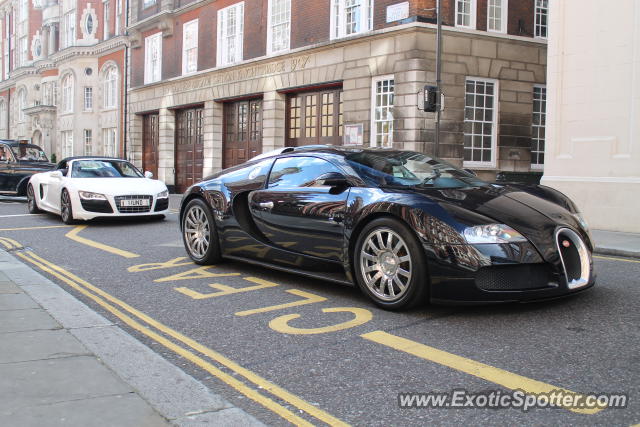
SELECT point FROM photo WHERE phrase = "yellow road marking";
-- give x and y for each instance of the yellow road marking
(35, 228)
(73, 235)
(309, 298)
(85, 288)
(10, 243)
(362, 316)
(196, 273)
(226, 289)
(495, 375)
(176, 262)
(617, 259)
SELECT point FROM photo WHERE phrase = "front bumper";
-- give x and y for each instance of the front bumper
(86, 210)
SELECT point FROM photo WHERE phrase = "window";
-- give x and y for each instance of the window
(109, 140)
(466, 13)
(23, 51)
(349, 17)
(105, 14)
(542, 10)
(382, 111)
(480, 122)
(5, 46)
(118, 16)
(69, 29)
(190, 47)
(497, 13)
(67, 94)
(88, 140)
(295, 172)
(88, 98)
(152, 58)
(23, 14)
(279, 33)
(49, 93)
(538, 126)
(67, 144)
(22, 104)
(110, 88)
(148, 3)
(230, 34)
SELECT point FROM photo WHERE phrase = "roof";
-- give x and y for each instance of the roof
(327, 149)
(12, 143)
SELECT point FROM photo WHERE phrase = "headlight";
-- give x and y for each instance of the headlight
(492, 233)
(86, 195)
(163, 195)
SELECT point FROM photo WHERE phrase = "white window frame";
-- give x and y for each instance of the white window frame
(23, 51)
(494, 125)
(223, 54)
(88, 98)
(110, 88)
(105, 19)
(22, 104)
(534, 135)
(118, 17)
(110, 141)
(67, 143)
(68, 94)
(152, 75)
(338, 19)
(504, 16)
(23, 11)
(374, 105)
(87, 136)
(69, 29)
(148, 3)
(537, 14)
(472, 14)
(186, 27)
(7, 37)
(271, 27)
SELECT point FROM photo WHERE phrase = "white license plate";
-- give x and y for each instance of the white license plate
(134, 203)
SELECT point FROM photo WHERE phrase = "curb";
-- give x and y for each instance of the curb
(616, 252)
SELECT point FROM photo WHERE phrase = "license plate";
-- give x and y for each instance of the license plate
(134, 203)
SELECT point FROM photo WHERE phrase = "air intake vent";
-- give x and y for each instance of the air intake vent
(574, 256)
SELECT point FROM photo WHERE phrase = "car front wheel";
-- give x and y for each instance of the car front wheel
(390, 266)
(66, 210)
(32, 203)
(199, 234)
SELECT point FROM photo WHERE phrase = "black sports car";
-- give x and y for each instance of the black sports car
(403, 226)
(18, 161)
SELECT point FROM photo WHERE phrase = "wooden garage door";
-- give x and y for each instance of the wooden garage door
(314, 118)
(189, 147)
(150, 137)
(243, 131)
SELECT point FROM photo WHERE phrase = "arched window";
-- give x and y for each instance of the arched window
(110, 87)
(67, 94)
(22, 104)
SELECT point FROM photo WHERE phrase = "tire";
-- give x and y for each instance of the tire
(32, 203)
(66, 209)
(394, 275)
(199, 233)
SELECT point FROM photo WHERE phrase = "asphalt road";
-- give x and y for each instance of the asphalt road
(288, 349)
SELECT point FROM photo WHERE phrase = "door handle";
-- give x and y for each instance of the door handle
(266, 205)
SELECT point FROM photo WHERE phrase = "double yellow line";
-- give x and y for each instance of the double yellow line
(159, 333)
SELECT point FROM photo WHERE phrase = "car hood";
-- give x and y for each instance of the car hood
(534, 217)
(119, 186)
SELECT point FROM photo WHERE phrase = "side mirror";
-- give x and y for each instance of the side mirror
(333, 179)
(56, 174)
(469, 171)
(148, 175)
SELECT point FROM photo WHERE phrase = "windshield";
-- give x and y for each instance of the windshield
(104, 169)
(29, 153)
(408, 169)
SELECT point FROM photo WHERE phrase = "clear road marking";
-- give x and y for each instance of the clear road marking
(362, 316)
(104, 299)
(172, 263)
(73, 235)
(11, 216)
(486, 372)
(617, 259)
(226, 289)
(35, 228)
(309, 298)
(196, 273)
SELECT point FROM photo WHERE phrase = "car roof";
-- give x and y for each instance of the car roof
(12, 143)
(68, 159)
(323, 149)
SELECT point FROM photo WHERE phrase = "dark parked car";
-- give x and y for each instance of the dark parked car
(403, 226)
(18, 161)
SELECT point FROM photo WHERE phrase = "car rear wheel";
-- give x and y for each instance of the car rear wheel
(66, 210)
(32, 203)
(199, 233)
(390, 266)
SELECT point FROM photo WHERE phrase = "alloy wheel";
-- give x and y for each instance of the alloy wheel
(31, 199)
(197, 231)
(386, 265)
(66, 206)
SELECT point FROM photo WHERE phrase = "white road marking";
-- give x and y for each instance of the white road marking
(9, 216)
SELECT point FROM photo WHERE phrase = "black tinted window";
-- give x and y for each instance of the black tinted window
(298, 172)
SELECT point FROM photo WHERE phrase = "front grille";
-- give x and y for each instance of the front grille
(99, 206)
(515, 277)
(162, 205)
(133, 209)
(575, 258)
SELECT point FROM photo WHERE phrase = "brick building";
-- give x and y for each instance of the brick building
(214, 83)
(62, 74)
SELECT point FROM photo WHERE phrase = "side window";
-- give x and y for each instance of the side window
(5, 153)
(299, 172)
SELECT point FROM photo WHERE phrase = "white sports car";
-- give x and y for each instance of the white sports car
(83, 188)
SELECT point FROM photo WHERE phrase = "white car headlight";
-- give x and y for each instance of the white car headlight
(492, 233)
(87, 195)
(163, 195)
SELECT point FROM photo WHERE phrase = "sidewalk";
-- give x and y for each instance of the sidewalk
(63, 364)
(616, 243)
